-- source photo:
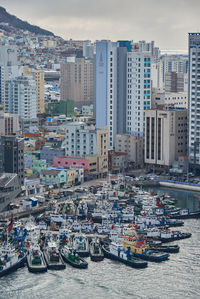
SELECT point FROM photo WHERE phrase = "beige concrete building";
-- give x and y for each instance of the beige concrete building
(165, 136)
(132, 145)
(102, 151)
(77, 81)
(175, 99)
(9, 123)
(39, 79)
(38, 76)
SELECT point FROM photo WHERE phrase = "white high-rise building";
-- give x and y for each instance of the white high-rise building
(20, 97)
(138, 90)
(123, 86)
(194, 98)
(106, 87)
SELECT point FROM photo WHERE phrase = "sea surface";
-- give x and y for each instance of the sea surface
(177, 278)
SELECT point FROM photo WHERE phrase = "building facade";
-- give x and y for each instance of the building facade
(165, 136)
(81, 140)
(20, 97)
(48, 153)
(39, 80)
(9, 123)
(77, 81)
(138, 90)
(12, 156)
(194, 98)
(175, 99)
(174, 82)
(132, 146)
(9, 189)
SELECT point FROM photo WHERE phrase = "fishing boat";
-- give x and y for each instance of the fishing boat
(185, 214)
(71, 257)
(116, 251)
(81, 245)
(174, 223)
(35, 260)
(141, 250)
(11, 259)
(53, 258)
(163, 248)
(170, 236)
(96, 252)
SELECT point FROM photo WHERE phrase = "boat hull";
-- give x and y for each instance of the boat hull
(52, 266)
(169, 249)
(36, 269)
(181, 237)
(152, 258)
(83, 253)
(111, 256)
(83, 265)
(188, 216)
(96, 258)
(14, 267)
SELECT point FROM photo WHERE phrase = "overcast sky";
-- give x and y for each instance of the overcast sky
(165, 21)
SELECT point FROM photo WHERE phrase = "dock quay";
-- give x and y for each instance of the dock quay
(22, 214)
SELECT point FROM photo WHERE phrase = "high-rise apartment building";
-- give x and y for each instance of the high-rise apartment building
(175, 63)
(123, 86)
(39, 80)
(138, 90)
(38, 76)
(111, 80)
(194, 98)
(77, 81)
(106, 87)
(174, 82)
(20, 97)
(12, 156)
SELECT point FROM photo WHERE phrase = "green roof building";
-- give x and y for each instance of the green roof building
(64, 107)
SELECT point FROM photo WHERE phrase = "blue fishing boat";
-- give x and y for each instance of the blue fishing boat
(116, 251)
(185, 214)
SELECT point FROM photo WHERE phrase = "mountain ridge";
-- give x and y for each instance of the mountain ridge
(17, 23)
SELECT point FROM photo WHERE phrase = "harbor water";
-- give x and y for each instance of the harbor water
(177, 278)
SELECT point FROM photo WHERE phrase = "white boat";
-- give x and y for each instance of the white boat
(10, 259)
(57, 218)
(81, 245)
(35, 260)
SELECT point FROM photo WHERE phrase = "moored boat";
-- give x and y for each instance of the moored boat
(96, 252)
(140, 250)
(81, 245)
(185, 214)
(35, 260)
(11, 259)
(53, 258)
(170, 236)
(71, 257)
(163, 248)
(116, 251)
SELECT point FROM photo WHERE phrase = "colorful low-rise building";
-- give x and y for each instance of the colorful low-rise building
(39, 165)
(53, 177)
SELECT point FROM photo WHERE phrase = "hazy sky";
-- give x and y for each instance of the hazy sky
(165, 21)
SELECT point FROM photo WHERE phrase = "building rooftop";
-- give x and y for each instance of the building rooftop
(5, 178)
